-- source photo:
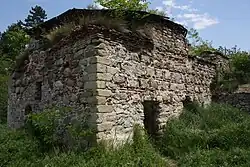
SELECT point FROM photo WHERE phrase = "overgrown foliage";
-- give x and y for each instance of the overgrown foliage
(19, 150)
(239, 63)
(116, 23)
(16, 148)
(198, 45)
(238, 73)
(218, 135)
(137, 5)
(13, 41)
(53, 128)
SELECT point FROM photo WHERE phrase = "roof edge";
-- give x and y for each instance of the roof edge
(74, 14)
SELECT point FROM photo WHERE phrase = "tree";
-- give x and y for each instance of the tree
(140, 5)
(37, 16)
(198, 45)
(13, 41)
(193, 37)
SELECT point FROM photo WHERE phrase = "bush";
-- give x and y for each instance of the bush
(16, 147)
(53, 128)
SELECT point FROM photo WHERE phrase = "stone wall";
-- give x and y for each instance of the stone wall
(55, 77)
(238, 100)
(161, 72)
(109, 75)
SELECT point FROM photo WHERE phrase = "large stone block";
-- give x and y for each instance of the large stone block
(104, 108)
(107, 126)
(96, 100)
(99, 59)
(95, 68)
(100, 77)
(102, 92)
(95, 85)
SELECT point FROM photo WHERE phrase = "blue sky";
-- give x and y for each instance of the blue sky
(224, 22)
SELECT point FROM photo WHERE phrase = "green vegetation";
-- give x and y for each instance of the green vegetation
(218, 135)
(238, 73)
(36, 16)
(139, 5)
(12, 43)
(52, 127)
(58, 34)
(215, 136)
(17, 149)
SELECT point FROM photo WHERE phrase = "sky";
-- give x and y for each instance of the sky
(224, 22)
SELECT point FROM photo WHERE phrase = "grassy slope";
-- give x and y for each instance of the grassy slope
(215, 136)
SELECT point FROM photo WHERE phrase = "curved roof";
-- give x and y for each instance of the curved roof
(72, 15)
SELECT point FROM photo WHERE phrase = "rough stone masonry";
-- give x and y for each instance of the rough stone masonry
(118, 79)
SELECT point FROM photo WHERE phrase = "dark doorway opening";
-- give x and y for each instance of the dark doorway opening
(38, 94)
(151, 112)
(28, 110)
(187, 103)
(190, 105)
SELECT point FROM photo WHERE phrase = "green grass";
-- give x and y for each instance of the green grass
(218, 135)
(19, 150)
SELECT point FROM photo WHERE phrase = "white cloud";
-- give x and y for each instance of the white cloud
(191, 17)
(169, 3)
(172, 4)
(159, 8)
(199, 21)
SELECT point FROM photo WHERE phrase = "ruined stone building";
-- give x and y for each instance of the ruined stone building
(118, 77)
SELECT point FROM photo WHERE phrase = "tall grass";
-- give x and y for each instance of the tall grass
(218, 135)
(19, 150)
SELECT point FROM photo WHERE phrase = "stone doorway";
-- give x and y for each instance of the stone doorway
(151, 112)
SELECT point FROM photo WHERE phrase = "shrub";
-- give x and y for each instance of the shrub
(15, 146)
(53, 128)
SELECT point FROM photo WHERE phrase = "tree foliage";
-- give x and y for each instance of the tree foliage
(37, 15)
(134, 5)
(198, 45)
(13, 41)
(141, 5)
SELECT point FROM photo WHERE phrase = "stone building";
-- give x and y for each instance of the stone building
(118, 78)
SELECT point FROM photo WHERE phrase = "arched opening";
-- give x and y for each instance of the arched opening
(151, 112)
